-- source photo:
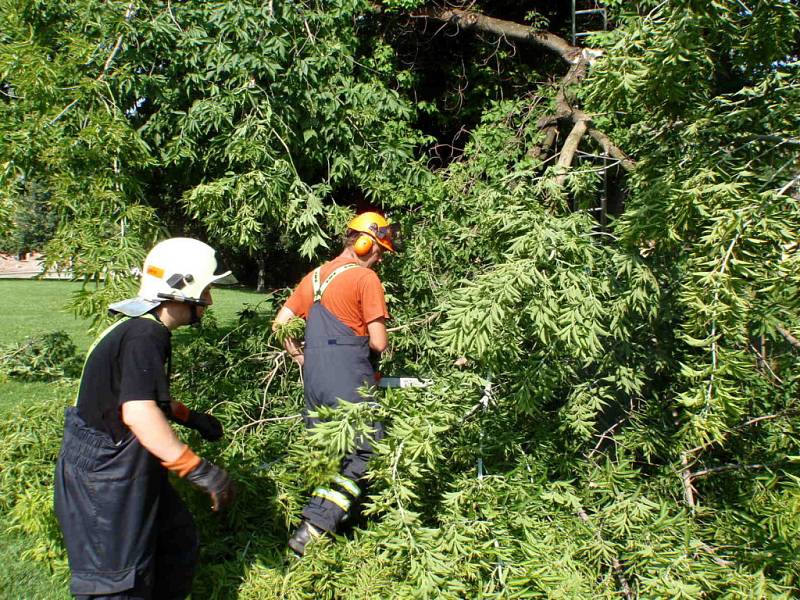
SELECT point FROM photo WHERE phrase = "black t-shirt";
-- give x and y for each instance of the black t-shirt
(129, 362)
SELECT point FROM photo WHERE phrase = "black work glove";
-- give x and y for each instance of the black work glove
(215, 482)
(207, 425)
(374, 359)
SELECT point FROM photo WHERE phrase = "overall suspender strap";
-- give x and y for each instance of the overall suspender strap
(320, 289)
(97, 340)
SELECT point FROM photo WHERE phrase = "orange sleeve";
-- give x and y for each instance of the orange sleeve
(302, 298)
(373, 302)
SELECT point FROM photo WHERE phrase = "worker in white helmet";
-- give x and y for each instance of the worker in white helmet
(128, 534)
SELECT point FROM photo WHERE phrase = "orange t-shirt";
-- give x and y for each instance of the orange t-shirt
(355, 296)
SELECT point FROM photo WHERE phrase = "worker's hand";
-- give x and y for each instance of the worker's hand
(207, 425)
(215, 482)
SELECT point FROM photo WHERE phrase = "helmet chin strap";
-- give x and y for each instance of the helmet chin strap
(194, 318)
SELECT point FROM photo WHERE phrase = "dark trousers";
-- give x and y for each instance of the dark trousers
(336, 366)
(170, 574)
(323, 513)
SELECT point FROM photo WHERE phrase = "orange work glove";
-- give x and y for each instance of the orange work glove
(205, 475)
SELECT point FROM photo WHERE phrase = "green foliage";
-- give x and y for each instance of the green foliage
(30, 438)
(41, 358)
(239, 120)
(402, 5)
(723, 217)
(286, 118)
(614, 408)
(31, 225)
(293, 329)
(64, 132)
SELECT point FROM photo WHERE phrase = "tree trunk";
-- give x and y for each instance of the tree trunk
(261, 281)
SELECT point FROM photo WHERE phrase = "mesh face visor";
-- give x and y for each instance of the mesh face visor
(389, 235)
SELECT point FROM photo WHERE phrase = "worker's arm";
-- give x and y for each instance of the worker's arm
(292, 346)
(378, 338)
(151, 428)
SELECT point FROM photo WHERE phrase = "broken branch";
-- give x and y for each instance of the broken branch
(509, 30)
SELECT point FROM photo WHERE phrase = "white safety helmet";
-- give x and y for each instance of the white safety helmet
(177, 269)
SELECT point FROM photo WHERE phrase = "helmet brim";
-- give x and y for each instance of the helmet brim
(226, 278)
(394, 243)
(386, 245)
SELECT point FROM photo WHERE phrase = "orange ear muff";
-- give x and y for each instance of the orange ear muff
(363, 245)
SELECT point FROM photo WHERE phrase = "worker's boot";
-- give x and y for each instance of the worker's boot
(304, 534)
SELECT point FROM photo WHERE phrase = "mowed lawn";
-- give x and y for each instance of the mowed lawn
(32, 308)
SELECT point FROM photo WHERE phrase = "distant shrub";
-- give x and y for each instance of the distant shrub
(40, 358)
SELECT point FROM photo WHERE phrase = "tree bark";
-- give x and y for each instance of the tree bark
(611, 149)
(789, 337)
(569, 149)
(541, 151)
(261, 282)
(510, 31)
(686, 479)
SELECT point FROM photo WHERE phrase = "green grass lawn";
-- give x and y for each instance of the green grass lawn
(33, 308)
(26, 580)
(37, 307)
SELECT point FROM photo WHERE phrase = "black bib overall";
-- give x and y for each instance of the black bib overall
(127, 533)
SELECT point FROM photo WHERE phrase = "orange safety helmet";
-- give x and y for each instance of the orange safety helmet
(375, 227)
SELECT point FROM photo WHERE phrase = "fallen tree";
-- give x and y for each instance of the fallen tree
(641, 432)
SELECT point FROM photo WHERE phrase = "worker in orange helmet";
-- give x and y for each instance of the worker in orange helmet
(345, 310)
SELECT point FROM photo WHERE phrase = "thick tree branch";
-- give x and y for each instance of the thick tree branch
(541, 151)
(789, 337)
(565, 99)
(579, 58)
(610, 148)
(510, 31)
(569, 149)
